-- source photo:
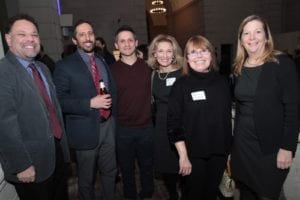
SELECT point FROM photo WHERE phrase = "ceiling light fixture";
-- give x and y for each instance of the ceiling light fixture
(157, 7)
(157, 2)
(158, 10)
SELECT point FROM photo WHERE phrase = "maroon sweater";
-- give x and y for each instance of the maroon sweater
(134, 93)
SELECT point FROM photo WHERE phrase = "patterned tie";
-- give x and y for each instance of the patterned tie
(104, 113)
(54, 122)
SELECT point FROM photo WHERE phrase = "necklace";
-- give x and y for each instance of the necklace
(162, 78)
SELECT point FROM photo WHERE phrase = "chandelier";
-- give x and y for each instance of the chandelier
(157, 2)
(158, 7)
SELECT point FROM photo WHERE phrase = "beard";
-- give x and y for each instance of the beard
(87, 49)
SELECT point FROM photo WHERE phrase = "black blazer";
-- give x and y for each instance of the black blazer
(75, 87)
(276, 106)
(25, 132)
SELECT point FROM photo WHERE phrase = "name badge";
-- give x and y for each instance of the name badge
(170, 81)
(198, 95)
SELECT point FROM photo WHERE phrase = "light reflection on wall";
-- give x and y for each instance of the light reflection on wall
(58, 7)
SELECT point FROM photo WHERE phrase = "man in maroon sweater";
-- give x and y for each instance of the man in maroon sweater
(134, 123)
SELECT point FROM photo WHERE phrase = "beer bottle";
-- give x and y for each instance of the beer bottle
(105, 113)
(103, 89)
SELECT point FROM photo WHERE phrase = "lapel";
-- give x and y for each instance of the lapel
(21, 73)
(82, 68)
(26, 80)
(52, 91)
(48, 79)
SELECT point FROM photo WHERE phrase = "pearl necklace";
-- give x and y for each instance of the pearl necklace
(162, 78)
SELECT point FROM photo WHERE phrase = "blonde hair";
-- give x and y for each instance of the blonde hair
(199, 42)
(241, 54)
(177, 52)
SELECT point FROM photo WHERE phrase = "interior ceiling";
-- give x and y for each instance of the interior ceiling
(174, 5)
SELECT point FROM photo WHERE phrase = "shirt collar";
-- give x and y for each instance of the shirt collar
(84, 56)
(24, 62)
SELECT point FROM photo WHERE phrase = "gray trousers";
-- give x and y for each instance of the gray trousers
(102, 159)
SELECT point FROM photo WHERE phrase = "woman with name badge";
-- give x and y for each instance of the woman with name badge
(165, 58)
(199, 120)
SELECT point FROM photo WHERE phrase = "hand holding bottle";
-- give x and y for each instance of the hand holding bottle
(102, 100)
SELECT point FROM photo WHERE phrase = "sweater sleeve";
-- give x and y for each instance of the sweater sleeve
(175, 114)
(289, 84)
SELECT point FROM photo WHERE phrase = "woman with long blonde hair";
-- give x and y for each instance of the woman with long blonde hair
(165, 58)
(266, 124)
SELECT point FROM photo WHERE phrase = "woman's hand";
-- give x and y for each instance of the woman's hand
(185, 166)
(284, 159)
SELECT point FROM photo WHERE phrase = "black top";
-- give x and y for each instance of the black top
(275, 109)
(165, 154)
(245, 90)
(162, 84)
(199, 112)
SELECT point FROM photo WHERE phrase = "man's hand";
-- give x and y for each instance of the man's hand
(101, 101)
(27, 176)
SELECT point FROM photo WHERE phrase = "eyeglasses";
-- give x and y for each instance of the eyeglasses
(194, 53)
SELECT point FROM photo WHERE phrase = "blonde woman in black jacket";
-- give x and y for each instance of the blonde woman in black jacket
(165, 58)
(266, 126)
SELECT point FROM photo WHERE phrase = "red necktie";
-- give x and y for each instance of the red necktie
(104, 113)
(54, 122)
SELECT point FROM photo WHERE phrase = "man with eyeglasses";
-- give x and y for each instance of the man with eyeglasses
(33, 148)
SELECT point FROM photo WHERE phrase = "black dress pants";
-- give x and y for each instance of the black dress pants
(203, 182)
(54, 188)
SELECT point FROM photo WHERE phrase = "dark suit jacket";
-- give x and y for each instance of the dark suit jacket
(25, 134)
(75, 88)
(276, 106)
